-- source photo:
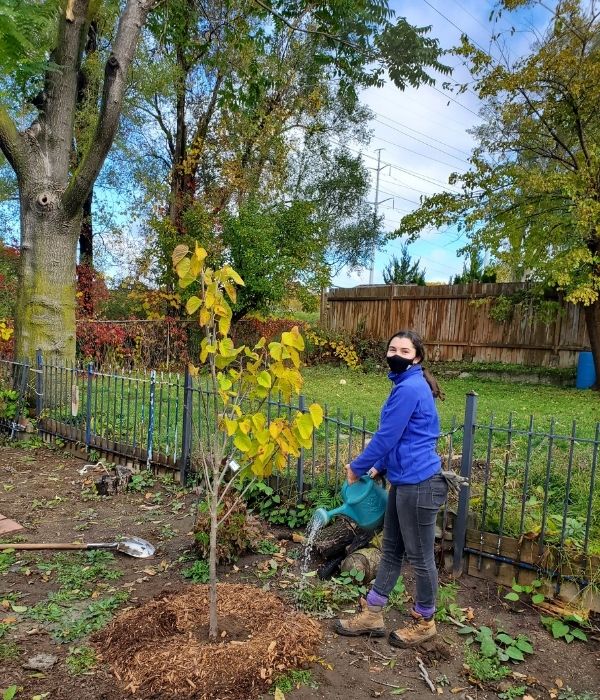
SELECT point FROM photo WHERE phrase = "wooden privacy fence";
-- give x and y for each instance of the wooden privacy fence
(455, 323)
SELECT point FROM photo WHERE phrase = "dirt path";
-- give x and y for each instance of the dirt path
(42, 489)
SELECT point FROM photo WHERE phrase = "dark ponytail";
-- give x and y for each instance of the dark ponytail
(419, 346)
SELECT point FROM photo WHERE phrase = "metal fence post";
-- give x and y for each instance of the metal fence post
(186, 433)
(460, 524)
(39, 384)
(88, 407)
(151, 420)
(300, 463)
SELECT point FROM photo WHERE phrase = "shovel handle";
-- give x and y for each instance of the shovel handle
(35, 545)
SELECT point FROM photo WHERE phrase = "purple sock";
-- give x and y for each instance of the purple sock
(374, 598)
(424, 612)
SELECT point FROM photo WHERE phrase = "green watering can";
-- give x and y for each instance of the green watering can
(364, 502)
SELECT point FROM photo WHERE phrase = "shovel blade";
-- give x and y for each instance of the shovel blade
(136, 547)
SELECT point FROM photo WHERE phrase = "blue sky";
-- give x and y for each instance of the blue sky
(423, 133)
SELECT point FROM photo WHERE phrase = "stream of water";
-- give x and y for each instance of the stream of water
(313, 528)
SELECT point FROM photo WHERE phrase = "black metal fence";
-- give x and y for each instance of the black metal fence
(535, 488)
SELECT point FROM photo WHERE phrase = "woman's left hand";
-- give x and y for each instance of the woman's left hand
(351, 477)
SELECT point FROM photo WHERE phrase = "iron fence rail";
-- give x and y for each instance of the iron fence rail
(525, 483)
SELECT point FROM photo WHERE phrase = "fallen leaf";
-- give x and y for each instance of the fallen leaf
(8, 620)
(19, 608)
(278, 695)
(470, 613)
(528, 697)
(271, 646)
(559, 682)
(458, 690)
(440, 691)
(263, 673)
(149, 571)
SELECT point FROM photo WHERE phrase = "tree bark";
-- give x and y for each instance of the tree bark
(45, 313)
(592, 320)
(212, 558)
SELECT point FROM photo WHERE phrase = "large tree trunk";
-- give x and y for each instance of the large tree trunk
(45, 317)
(592, 320)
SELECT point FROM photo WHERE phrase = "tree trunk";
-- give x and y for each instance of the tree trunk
(592, 320)
(45, 316)
(212, 560)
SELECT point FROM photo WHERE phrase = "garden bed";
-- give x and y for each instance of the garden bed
(52, 603)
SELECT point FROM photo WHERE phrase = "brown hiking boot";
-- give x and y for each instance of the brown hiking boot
(368, 621)
(417, 631)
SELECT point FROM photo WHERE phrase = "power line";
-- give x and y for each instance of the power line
(406, 171)
(410, 128)
(410, 150)
(429, 145)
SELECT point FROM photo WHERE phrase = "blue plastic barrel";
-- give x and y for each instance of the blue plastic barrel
(586, 372)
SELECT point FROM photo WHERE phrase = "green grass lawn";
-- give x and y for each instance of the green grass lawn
(363, 395)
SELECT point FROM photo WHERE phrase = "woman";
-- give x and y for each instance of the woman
(404, 447)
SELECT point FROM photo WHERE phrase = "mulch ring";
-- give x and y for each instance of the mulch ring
(161, 648)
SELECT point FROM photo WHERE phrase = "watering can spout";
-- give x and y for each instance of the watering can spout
(364, 502)
(325, 516)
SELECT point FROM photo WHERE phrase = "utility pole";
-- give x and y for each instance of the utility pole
(376, 204)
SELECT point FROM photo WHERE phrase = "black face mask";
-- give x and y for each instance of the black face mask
(398, 364)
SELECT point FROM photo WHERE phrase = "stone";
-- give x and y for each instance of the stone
(40, 662)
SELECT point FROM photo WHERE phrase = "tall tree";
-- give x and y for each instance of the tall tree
(246, 126)
(532, 194)
(404, 270)
(52, 190)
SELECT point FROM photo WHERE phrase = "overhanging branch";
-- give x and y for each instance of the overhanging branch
(11, 143)
(115, 77)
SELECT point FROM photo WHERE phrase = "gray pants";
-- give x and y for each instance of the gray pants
(409, 531)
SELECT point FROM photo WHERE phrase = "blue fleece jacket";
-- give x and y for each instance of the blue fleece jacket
(404, 446)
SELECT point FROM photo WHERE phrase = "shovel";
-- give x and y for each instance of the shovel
(133, 546)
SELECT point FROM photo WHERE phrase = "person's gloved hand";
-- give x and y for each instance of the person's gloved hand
(455, 481)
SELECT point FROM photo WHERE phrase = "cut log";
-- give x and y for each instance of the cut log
(333, 539)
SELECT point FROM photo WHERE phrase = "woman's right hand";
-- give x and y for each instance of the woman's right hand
(351, 477)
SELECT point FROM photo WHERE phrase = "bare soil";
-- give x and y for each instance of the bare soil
(42, 489)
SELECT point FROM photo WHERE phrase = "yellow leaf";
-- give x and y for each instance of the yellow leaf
(183, 267)
(209, 298)
(204, 316)
(293, 338)
(186, 281)
(200, 254)
(245, 426)
(231, 426)
(261, 344)
(231, 291)
(193, 370)
(193, 304)
(294, 357)
(230, 272)
(224, 325)
(195, 267)
(264, 379)
(242, 442)
(316, 413)
(276, 350)
(263, 436)
(226, 348)
(275, 429)
(179, 253)
(305, 425)
(224, 382)
(258, 421)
